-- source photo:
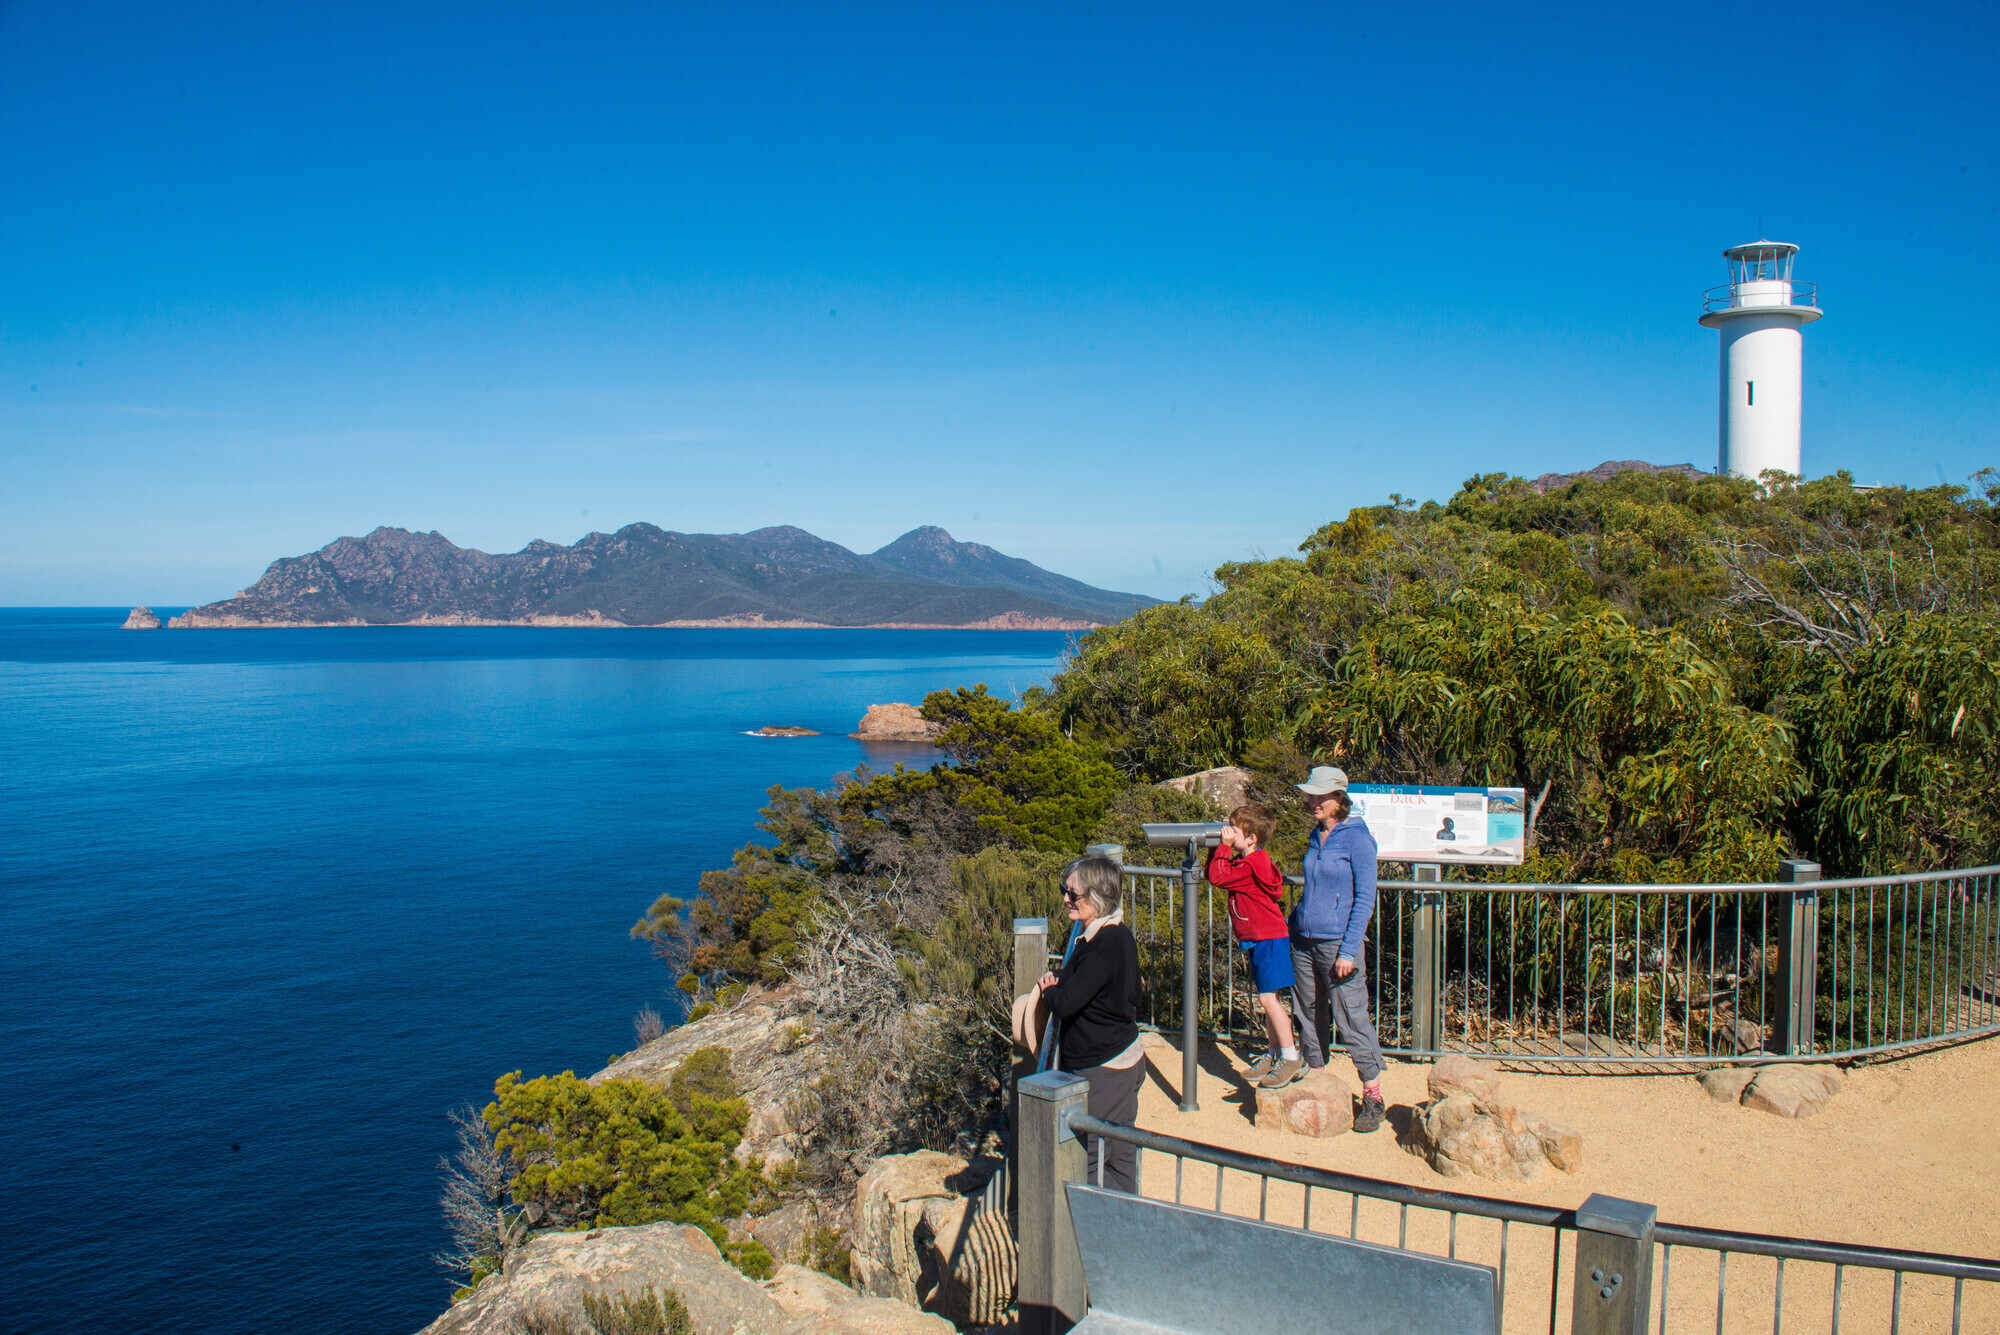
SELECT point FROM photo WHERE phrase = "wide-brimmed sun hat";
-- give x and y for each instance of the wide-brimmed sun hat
(1031, 1017)
(1323, 780)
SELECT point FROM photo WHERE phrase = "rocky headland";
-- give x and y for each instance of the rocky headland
(924, 1250)
(643, 576)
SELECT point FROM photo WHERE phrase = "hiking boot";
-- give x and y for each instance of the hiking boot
(1371, 1114)
(1282, 1074)
(1260, 1068)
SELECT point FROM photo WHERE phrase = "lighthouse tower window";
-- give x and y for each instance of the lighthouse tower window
(1749, 393)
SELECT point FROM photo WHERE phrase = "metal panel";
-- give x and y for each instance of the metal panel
(1150, 1265)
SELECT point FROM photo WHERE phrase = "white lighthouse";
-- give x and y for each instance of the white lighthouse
(1760, 312)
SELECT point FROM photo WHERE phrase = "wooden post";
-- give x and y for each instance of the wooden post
(1031, 961)
(1049, 1289)
(1614, 1267)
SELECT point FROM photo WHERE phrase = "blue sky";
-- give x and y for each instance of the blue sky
(1125, 290)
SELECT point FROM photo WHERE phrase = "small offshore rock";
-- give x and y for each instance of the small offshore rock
(782, 730)
(895, 723)
(141, 618)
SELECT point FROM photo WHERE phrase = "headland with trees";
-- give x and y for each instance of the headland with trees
(1692, 676)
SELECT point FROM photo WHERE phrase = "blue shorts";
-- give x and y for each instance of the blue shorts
(1270, 963)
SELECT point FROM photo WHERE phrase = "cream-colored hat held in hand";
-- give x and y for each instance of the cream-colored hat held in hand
(1031, 1021)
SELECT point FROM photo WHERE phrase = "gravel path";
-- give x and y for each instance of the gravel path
(1908, 1154)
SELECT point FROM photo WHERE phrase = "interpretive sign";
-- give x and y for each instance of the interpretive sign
(1421, 823)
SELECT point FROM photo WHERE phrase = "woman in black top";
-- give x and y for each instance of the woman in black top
(1096, 997)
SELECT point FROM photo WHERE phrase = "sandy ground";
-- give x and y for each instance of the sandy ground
(1907, 1155)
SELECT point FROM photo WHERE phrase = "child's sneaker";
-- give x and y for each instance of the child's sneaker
(1261, 1067)
(1282, 1074)
(1371, 1114)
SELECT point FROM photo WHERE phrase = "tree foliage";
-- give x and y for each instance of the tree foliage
(1701, 677)
(1692, 676)
(1013, 771)
(1010, 778)
(624, 1151)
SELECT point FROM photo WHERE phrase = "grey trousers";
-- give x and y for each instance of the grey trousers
(1315, 991)
(1113, 1097)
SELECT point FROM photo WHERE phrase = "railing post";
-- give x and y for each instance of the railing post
(1428, 967)
(1031, 953)
(1614, 1267)
(1190, 982)
(1798, 959)
(1031, 961)
(1049, 1289)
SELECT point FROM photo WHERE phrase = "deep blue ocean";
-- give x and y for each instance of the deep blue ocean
(273, 901)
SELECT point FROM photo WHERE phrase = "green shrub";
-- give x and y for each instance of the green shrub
(752, 1258)
(823, 1251)
(623, 1151)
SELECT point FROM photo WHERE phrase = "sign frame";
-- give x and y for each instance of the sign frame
(1468, 826)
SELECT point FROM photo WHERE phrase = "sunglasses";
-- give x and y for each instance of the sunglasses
(1070, 896)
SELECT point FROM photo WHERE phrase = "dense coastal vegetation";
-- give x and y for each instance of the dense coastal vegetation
(1692, 678)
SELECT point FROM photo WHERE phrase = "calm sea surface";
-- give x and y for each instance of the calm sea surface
(272, 902)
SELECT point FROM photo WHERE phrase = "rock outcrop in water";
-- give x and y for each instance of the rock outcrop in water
(647, 576)
(142, 618)
(895, 723)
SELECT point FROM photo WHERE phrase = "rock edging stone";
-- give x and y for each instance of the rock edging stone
(1320, 1105)
(1788, 1090)
(1466, 1129)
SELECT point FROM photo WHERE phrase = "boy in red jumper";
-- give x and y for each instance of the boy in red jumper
(1240, 866)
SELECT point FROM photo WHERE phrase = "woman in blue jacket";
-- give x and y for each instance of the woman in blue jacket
(1329, 929)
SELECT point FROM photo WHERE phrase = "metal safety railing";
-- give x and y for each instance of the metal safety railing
(1605, 1266)
(1636, 975)
(1760, 294)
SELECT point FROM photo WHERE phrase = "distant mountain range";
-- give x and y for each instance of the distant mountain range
(646, 576)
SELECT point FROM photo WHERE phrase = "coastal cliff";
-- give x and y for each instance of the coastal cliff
(896, 1233)
(773, 578)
